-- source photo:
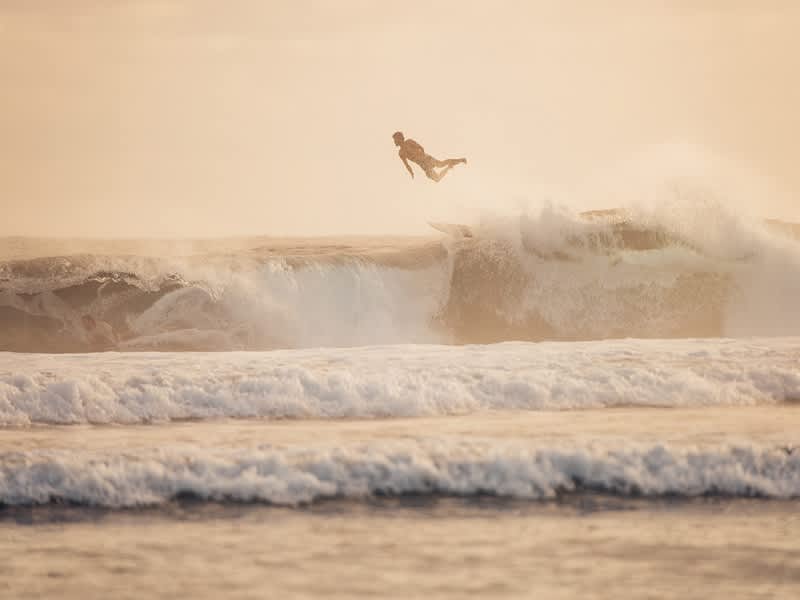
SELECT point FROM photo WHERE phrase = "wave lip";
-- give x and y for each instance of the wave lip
(395, 381)
(424, 467)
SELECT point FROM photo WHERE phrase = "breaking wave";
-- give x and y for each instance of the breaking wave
(395, 381)
(292, 476)
(552, 276)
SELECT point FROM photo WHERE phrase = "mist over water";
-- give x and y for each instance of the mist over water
(173, 119)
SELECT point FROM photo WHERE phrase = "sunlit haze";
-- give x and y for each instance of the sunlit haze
(198, 118)
(416, 299)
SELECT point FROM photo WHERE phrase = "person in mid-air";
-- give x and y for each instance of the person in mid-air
(412, 151)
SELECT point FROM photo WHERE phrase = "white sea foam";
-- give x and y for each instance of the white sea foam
(395, 381)
(429, 466)
(281, 306)
(717, 262)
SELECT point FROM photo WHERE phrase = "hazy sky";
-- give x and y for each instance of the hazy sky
(197, 118)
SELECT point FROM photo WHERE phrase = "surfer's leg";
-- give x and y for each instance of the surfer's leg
(428, 166)
(431, 164)
(432, 174)
(438, 176)
(449, 162)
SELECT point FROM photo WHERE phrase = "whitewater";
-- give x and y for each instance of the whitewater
(536, 387)
(550, 276)
(396, 381)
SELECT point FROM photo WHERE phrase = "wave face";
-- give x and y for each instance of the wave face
(554, 276)
(395, 381)
(442, 467)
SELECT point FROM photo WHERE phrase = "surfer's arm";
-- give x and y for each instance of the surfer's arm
(405, 162)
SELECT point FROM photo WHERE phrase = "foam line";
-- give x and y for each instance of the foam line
(427, 467)
(395, 381)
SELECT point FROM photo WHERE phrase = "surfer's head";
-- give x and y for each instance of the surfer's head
(398, 137)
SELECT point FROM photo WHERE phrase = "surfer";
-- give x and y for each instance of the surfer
(411, 150)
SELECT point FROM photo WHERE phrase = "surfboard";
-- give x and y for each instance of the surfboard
(452, 229)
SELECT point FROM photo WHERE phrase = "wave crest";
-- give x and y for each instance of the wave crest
(555, 276)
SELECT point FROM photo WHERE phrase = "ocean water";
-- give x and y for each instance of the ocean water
(600, 405)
